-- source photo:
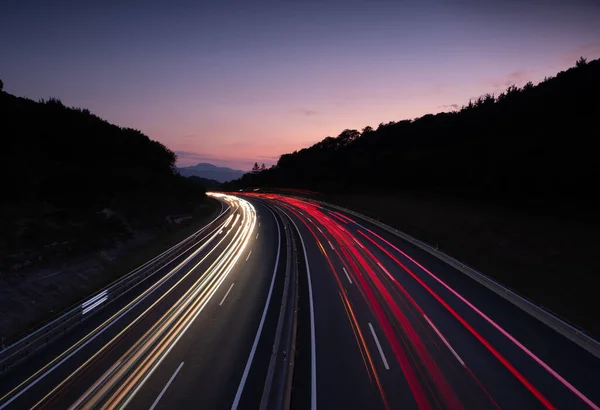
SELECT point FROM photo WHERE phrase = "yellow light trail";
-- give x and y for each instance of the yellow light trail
(143, 357)
(57, 361)
(137, 364)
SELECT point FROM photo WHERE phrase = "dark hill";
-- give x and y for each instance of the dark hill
(206, 182)
(74, 181)
(210, 171)
(528, 145)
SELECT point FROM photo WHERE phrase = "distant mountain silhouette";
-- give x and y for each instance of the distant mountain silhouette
(210, 171)
(532, 145)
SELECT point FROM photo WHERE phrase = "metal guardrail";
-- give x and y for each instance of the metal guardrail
(560, 325)
(23, 348)
(276, 393)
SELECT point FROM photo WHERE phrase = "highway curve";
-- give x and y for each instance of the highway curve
(396, 328)
(285, 303)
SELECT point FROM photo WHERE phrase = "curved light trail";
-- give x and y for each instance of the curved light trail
(379, 326)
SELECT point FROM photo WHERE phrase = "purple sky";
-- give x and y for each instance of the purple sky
(232, 83)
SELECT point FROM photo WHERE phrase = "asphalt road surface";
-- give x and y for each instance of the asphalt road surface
(381, 324)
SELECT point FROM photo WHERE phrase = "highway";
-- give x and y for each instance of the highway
(280, 302)
(394, 327)
(194, 320)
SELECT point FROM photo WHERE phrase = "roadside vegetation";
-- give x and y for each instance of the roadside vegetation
(83, 202)
(72, 184)
(549, 259)
(34, 297)
(521, 148)
(507, 184)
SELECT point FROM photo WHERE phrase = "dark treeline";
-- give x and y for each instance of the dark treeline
(207, 183)
(61, 166)
(524, 145)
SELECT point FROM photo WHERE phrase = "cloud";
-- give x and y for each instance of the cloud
(270, 157)
(193, 156)
(590, 51)
(517, 77)
(520, 77)
(307, 113)
(451, 106)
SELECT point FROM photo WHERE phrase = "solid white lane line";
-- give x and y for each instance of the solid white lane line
(238, 395)
(100, 380)
(539, 361)
(224, 297)
(257, 235)
(313, 347)
(248, 256)
(385, 363)
(445, 341)
(532, 355)
(331, 245)
(196, 314)
(348, 276)
(107, 324)
(166, 386)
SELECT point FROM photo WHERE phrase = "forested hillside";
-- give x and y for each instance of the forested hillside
(72, 182)
(534, 143)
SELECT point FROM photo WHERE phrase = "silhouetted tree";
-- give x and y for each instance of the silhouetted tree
(348, 136)
(262, 168)
(581, 62)
(255, 168)
(485, 99)
(1, 86)
(54, 101)
(75, 163)
(512, 90)
(367, 130)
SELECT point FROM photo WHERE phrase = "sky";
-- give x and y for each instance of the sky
(233, 83)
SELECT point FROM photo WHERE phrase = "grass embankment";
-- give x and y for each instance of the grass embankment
(550, 258)
(128, 262)
(39, 306)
